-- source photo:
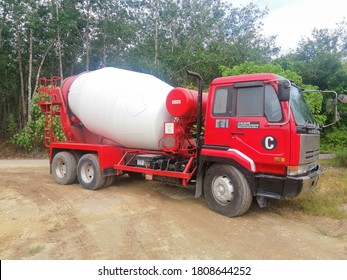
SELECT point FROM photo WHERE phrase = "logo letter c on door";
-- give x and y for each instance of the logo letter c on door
(269, 143)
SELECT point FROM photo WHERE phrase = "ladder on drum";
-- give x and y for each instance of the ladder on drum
(49, 102)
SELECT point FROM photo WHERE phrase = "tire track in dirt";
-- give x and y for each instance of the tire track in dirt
(54, 221)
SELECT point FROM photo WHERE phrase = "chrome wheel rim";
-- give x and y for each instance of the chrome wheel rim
(222, 190)
(60, 169)
(87, 172)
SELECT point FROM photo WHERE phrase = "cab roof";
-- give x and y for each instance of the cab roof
(246, 78)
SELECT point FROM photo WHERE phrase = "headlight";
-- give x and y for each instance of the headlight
(297, 170)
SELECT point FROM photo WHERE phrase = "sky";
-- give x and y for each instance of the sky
(291, 20)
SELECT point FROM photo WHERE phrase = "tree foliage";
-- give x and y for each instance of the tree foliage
(250, 67)
(320, 59)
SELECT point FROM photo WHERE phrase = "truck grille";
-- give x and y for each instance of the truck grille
(312, 155)
(309, 148)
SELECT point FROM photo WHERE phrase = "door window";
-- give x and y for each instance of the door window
(273, 111)
(222, 105)
(250, 102)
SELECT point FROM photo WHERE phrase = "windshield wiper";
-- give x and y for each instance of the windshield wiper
(311, 125)
(307, 123)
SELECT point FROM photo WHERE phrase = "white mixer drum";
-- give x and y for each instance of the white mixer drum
(124, 106)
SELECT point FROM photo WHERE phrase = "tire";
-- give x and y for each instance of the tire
(109, 181)
(227, 191)
(77, 155)
(89, 173)
(64, 166)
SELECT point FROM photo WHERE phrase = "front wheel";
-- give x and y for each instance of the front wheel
(89, 173)
(227, 191)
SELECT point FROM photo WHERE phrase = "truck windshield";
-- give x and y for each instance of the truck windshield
(302, 113)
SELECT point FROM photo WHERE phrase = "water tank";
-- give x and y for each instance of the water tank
(183, 103)
(126, 107)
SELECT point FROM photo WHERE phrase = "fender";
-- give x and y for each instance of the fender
(224, 155)
(233, 154)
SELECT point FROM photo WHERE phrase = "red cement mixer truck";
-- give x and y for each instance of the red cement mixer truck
(251, 136)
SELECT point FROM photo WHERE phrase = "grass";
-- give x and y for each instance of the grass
(329, 199)
(327, 233)
(340, 159)
(34, 249)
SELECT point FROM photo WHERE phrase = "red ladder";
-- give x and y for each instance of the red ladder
(49, 103)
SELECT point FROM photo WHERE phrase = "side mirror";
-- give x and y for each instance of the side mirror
(283, 90)
(330, 105)
(342, 98)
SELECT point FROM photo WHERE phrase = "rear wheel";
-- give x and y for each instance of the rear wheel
(109, 181)
(64, 167)
(89, 173)
(227, 191)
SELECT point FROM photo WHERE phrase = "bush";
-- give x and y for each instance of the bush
(341, 158)
(334, 140)
(32, 136)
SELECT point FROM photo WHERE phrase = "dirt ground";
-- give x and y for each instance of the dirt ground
(146, 220)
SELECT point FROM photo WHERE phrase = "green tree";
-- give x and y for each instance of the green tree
(115, 33)
(197, 35)
(319, 59)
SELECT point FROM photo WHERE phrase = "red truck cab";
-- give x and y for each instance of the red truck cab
(271, 140)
